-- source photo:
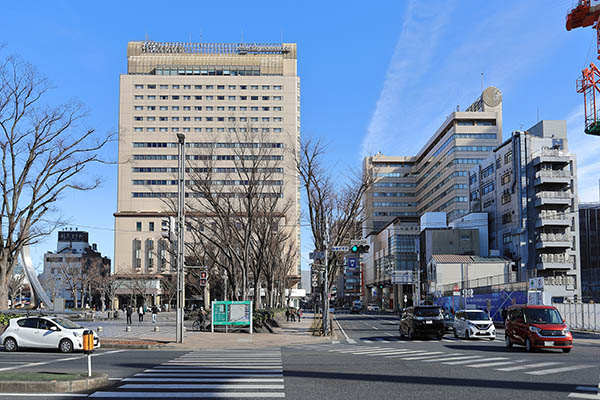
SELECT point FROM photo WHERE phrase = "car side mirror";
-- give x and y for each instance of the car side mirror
(564, 322)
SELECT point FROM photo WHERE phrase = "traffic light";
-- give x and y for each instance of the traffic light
(359, 249)
(168, 228)
(203, 277)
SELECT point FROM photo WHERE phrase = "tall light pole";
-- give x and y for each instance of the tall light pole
(180, 236)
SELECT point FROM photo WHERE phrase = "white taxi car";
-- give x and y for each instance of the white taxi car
(474, 324)
(44, 332)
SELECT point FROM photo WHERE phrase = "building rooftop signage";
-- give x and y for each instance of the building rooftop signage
(213, 48)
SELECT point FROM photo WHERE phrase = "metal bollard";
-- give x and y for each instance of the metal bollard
(128, 328)
(88, 348)
(156, 329)
(99, 329)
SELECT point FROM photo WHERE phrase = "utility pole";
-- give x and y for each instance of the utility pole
(180, 237)
(325, 280)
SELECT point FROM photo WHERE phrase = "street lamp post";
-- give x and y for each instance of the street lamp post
(180, 237)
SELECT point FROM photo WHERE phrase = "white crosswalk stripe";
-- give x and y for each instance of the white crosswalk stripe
(205, 374)
(557, 370)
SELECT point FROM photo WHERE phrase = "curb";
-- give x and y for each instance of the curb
(77, 385)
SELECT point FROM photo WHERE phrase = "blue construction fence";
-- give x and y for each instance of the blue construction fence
(480, 301)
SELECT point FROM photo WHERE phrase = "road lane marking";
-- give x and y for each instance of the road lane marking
(494, 364)
(470, 361)
(45, 395)
(452, 358)
(557, 370)
(224, 370)
(584, 396)
(529, 366)
(348, 339)
(171, 395)
(220, 380)
(419, 356)
(407, 352)
(366, 341)
(163, 386)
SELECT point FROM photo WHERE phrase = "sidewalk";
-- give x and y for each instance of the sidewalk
(287, 333)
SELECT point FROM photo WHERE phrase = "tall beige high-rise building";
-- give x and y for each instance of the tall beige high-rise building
(223, 97)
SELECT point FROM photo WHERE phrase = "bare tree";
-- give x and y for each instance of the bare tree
(341, 205)
(105, 284)
(51, 284)
(72, 278)
(43, 151)
(168, 287)
(16, 283)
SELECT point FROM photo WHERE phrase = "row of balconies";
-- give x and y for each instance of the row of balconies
(552, 240)
(552, 176)
(547, 155)
(553, 197)
(552, 218)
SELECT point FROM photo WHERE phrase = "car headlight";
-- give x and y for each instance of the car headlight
(76, 334)
(565, 331)
(535, 329)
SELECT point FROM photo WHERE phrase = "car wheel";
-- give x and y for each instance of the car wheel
(508, 342)
(566, 350)
(65, 346)
(528, 346)
(10, 344)
(455, 333)
(467, 335)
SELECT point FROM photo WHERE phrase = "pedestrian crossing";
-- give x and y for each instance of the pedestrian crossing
(207, 374)
(586, 392)
(463, 359)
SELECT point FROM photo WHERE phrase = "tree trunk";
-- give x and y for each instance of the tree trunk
(257, 298)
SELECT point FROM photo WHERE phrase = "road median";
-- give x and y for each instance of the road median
(49, 382)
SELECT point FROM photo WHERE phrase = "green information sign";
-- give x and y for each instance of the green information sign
(232, 313)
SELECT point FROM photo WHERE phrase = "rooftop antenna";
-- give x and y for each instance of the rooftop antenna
(146, 34)
(242, 36)
(200, 35)
(538, 114)
(281, 35)
(482, 82)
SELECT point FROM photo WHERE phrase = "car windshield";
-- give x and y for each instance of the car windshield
(543, 316)
(427, 311)
(65, 323)
(476, 315)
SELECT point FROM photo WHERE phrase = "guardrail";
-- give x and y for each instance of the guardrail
(580, 315)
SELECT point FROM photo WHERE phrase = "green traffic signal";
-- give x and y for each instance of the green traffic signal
(354, 249)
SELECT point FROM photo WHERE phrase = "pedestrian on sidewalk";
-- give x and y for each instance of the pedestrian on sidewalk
(129, 311)
(154, 312)
(293, 314)
(287, 315)
(299, 314)
(141, 314)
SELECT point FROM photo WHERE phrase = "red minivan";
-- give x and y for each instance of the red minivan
(537, 327)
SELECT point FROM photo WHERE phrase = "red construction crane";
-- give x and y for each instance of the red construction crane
(586, 14)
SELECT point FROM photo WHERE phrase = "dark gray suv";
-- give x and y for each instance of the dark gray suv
(422, 321)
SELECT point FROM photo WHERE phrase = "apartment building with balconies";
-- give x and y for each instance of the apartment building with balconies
(528, 187)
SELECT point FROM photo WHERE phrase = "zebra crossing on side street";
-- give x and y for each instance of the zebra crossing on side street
(504, 364)
(208, 374)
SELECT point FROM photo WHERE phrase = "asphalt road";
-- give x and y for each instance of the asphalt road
(371, 362)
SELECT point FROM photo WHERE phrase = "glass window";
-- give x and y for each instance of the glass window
(187, 86)
(139, 97)
(151, 97)
(175, 86)
(186, 108)
(138, 226)
(151, 226)
(163, 108)
(151, 86)
(543, 316)
(243, 87)
(164, 86)
(139, 86)
(197, 86)
(265, 87)
(151, 108)
(175, 97)
(209, 97)
(66, 323)
(231, 87)
(46, 325)
(277, 87)
(28, 322)
(253, 87)
(138, 108)
(209, 87)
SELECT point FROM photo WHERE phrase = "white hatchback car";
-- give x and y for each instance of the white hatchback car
(44, 332)
(474, 324)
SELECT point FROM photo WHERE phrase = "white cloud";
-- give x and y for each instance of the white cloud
(411, 59)
(428, 77)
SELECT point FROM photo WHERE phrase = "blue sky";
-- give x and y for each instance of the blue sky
(377, 76)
